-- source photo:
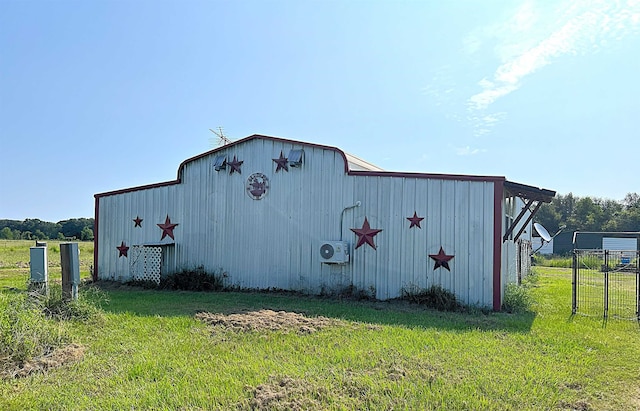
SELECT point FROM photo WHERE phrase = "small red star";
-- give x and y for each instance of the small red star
(138, 222)
(123, 249)
(235, 165)
(366, 234)
(441, 259)
(167, 228)
(415, 220)
(281, 163)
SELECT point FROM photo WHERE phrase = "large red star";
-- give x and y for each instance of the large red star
(282, 163)
(123, 249)
(441, 259)
(167, 228)
(415, 220)
(366, 234)
(138, 222)
(235, 165)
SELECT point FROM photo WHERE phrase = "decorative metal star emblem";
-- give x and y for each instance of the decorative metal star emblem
(415, 220)
(167, 228)
(366, 234)
(441, 259)
(235, 165)
(281, 162)
(123, 250)
(138, 222)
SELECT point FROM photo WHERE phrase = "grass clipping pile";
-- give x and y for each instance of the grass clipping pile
(267, 320)
(57, 358)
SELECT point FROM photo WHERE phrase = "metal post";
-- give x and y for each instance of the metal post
(638, 285)
(574, 283)
(70, 263)
(606, 283)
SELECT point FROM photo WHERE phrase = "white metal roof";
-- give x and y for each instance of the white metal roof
(358, 164)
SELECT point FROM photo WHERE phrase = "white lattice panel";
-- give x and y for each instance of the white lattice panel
(146, 263)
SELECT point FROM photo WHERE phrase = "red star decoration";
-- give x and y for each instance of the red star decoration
(366, 234)
(441, 259)
(235, 165)
(415, 220)
(167, 228)
(281, 163)
(123, 249)
(138, 222)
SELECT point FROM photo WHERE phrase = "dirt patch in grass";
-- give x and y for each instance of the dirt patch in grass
(267, 320)
(579, 405)
(285, 394)
(57, 358)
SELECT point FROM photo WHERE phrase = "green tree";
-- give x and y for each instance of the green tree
(6, 233)
(39, 235)
(86, 234)
(73, 228)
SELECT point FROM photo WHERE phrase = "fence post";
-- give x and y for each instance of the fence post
(70, 263)
(574, 283)
(606, 283)
(638, 285)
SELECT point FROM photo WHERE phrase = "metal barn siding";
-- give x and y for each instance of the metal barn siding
(510, 248)
(116, 225)
(458, 218)
(619, 244)
(274, 242)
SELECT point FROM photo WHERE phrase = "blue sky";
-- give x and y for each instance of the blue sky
(103, 95)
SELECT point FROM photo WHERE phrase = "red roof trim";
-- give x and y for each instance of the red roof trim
(459, 177)
(301, 143)
(138, 188)
(258, 136)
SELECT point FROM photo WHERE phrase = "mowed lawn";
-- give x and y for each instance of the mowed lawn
(149, 351)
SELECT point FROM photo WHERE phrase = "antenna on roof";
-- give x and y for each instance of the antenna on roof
(222, 139)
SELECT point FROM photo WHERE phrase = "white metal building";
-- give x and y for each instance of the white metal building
(274, 213)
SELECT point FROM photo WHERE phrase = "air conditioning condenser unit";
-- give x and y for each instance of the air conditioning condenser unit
(334, 252)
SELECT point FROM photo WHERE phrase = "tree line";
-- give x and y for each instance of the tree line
(34, 229)
(591, 214)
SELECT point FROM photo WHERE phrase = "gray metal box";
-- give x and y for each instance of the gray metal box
(70, 262)
(38, 263)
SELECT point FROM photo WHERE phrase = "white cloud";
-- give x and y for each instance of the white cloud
(468, 151)
(579, 28)
(523, 40)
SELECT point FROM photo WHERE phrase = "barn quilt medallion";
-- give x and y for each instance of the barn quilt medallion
(257, 186)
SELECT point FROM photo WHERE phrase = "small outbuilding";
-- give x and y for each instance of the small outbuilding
(270, 213)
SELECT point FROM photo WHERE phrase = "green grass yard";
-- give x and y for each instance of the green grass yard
(149, 351)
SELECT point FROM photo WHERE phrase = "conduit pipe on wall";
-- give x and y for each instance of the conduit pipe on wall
(357, 204)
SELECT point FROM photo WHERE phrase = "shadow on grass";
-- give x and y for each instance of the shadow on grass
(143, 302)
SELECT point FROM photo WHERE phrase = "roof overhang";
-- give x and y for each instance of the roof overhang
(533, 198)
(526, 192)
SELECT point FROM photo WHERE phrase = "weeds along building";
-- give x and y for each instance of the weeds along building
(265, 212)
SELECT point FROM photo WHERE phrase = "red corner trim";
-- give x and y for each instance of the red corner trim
(95, 239)
(498, 193)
